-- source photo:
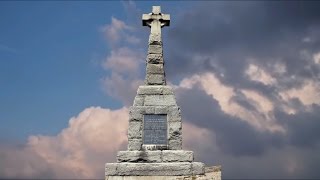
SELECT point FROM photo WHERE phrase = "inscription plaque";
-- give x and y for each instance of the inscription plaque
(155, 129)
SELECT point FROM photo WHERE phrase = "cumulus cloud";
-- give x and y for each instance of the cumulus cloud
(78, 151)
(308, 94)
(235, 144)
(249, 74)
(124, 66)
(81, 149)
(196, 137)
(117, 31)
(316, 58)
(124, 63)
(257, 74)
(121, 87)
(225, 94)
(124, 60)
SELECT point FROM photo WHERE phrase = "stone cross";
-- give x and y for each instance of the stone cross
(155, 70)
(156, 20)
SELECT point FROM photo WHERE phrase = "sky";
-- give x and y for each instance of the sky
(246, 75)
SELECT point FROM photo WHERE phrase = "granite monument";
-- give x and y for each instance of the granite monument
(155, 127)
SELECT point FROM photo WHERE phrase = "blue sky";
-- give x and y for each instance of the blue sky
(246, 76)
(50, 62)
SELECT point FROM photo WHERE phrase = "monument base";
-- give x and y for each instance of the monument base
(211, 173)
(155, 169)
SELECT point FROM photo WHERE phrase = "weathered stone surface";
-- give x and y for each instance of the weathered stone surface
(136, 113)
(139, 156)
(155, 39)
(161, 110)
(175, 112)
(136, 109)
(155, 90)
(149, 109)
(160, 100)
(135, 130)
(155, 156)
(175, 144)
(210, 175)
(175, 135)
(148, 147)
(213, 168)
(111, 169)
(174, 119)
(155, 79)
(138, 101)
(134, 144)
(147, 169)
(175, 128)
(207, 176)
(135, 117)
(166, 17)
(177, 156)
(155, 59)
(175, 141)
(198, 168)
(214, 172)
(155, 69)
(155, 49)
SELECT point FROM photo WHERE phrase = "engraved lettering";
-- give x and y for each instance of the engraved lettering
(155, 129)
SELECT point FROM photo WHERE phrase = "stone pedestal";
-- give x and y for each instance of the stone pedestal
(164, 156)
(211, 173)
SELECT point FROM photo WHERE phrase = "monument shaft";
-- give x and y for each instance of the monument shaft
(155, 74)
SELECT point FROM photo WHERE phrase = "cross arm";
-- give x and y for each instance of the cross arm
(146, 18)
(163, 18)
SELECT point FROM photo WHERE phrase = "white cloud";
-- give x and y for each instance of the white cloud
(113, 31)
(316, 58)
(279, 68)
(256, 73)
(123, 81)
(132, 39)
(306, 40)
(308, 93)
(79, 151)
(208, 81)
(117, 31)
(198, 139)
(123, 63)
(262, 103)
(194, 136)
(123, 60)
(121, 87)
(288, 109)
(262, 120)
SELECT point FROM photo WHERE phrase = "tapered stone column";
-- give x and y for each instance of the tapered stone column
(155, 74)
